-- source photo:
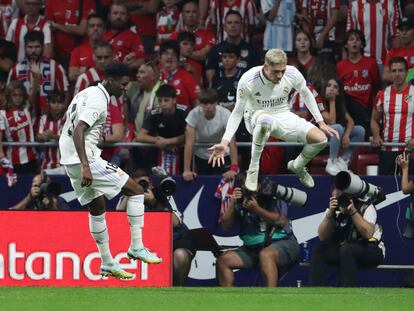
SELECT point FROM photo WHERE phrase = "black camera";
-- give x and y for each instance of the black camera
(343, 201)
(168, 186)
(50, 189)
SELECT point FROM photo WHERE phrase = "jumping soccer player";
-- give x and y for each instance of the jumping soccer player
(93, 178)
(262, 96)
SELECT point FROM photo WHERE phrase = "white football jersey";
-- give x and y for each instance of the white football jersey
(90, 106)
(256, 92)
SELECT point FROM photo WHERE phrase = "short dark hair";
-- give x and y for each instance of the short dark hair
(55, 96)
(33, 36)
(186, 36)
(208, 95)
(102, 44)
(170, 45)
(95, 15)
(399, 60)
(230, 48)
(233, 12)
(116, 70)
(357, 32)
(166, 90)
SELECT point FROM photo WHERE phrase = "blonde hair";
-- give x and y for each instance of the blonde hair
(275, 57)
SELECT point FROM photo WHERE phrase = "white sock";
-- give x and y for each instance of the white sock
(261, 134)
(135, 213)
(308, 153)
(99, 232)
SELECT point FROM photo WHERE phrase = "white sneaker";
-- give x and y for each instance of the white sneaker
(302, 172)
(342, 164)
(251, 180)
(333, 167)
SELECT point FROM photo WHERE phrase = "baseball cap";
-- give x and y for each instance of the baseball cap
(406, 22)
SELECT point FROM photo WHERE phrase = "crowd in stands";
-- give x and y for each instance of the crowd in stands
(186, 58)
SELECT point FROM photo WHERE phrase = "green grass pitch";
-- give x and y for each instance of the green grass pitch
(217, 299)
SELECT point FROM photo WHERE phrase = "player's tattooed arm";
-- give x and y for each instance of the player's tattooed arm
(79, 141)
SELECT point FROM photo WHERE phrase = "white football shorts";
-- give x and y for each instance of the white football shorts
(286, 125)
(107, 179)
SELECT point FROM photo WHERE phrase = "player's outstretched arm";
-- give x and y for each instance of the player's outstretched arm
(79, 141)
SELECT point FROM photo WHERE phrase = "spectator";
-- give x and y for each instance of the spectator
(377, 29)
(360, 77)
(43, 195)
(48, 129)
(81, 58)
(304, 48)
(233, 26)
(103, 54)
(320, 20)
(165, 129)
(393, 108)
(184, 82)
(142, 96)
(128, 46)
(16, 126)
(167, 20)
(323, 68)
(339, 119)
(351, 239)
(226, 79)
(204, 39)
(206, 123)
(184, 248)
(142, 100)
(186, 42)
(32, 20)
(39, 74)
(68, 21)
(279, 29)
(266, 232)
(143, 16)
(8, 55)
(406, 47)
(218, 15)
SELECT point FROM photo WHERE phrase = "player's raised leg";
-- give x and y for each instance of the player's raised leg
(261, 130)
(135, 212)
(316, 142)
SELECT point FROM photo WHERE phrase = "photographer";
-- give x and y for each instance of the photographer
(43, 195)
(351, 239)
(266, 232)
(157, 199)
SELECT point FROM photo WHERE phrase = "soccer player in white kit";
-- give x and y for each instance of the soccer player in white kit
(262, 98)
(93, 178)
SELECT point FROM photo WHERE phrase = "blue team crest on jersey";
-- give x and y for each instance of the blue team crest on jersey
(364, 73)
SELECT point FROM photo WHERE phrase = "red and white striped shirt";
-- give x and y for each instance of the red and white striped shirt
(398, 115)
(319, 13)
(16, 125)
(246, 8)
(88, 78)
(51, 154)
(378, 21)
(52, 76)
(19, 28)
